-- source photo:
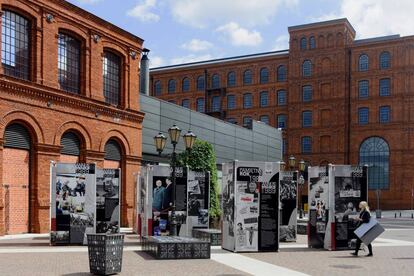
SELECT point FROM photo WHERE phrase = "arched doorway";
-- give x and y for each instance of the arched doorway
(71, 148)
(16, 178)
(113, 155)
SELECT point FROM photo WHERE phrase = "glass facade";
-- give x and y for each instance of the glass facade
(375, 153)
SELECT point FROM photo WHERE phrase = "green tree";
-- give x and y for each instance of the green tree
(203, 158)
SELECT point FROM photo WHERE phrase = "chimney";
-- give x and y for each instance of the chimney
(144, 76)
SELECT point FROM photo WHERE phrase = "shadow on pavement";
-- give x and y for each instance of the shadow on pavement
(145, 255)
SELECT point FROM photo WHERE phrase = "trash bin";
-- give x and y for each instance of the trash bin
(105, 253)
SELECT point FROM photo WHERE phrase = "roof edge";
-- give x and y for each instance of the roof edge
(322, 23)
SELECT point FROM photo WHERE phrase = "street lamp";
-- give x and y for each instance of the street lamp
(282, 165)
(292, 161)
(160, 141)
(302, 165)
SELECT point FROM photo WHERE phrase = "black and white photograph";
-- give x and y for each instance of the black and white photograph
(107, 201)
(198, 187)
(288, 206)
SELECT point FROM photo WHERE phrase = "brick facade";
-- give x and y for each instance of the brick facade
(47, 111)
(336, 135)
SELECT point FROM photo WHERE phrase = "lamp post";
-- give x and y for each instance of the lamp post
(160, 141)
(300, 179)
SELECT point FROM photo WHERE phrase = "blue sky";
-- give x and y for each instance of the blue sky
(178, 31)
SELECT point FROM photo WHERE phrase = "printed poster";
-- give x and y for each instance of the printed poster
(288, 205)
(108, 201)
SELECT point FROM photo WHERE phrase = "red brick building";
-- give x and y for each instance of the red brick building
(68, 92)
(340, 100)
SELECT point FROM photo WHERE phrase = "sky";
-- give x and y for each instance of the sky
(180, 31)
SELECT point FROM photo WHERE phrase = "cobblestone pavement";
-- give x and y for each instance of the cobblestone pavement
(393, 254)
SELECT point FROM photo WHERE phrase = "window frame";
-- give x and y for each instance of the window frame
(185, 85)
(382, 55)
(186, 101)
(305, 119)
(279, 74)
(382, 89)
(381, 109)
(264, 75)
(245, 105)
(280, 92)
(261, 99)
(121, 76)
(247, 77)
(306, 148)
(307, 71)
(156, 91)
(361, 115)
(279, 121)
(80, 59)
(198, 86)
(360, 87)
(171, 89)
(303, 43)
(307, 93)
(215, 81)
(198, 105)
(231, 82)
(362, 65)
(233, 97)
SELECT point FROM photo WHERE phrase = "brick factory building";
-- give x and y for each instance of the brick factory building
(68, 92)
(339, 100)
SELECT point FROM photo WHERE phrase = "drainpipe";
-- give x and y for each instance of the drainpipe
(144, 73)
(349, 119)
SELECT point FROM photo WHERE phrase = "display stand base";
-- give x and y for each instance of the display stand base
(210, 235)
(167, 247)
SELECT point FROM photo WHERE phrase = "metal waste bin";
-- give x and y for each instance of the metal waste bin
(105, 253)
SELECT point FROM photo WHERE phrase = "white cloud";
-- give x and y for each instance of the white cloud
(281, 43)
(197, 45)
(142, 11)
(377, 17)
(191, 58)
(239, 36)
(156, 61)
(201, 13)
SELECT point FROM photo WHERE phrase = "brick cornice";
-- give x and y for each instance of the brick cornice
(95, 154)
(133, 159)
(48, 149)
(37, 92)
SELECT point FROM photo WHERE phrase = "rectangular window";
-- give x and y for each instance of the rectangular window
(307, 93)
(231, 102)
(247, 101)
(112, 78)
(385, 87)
(200, 105)
(385, 114)
(69, 63)
(363, 89)
(281, 97)
(363, 115)
(264, 99)
(306, 145)
(215, 104)
(185, 103)
(281, 121)
(307, 119)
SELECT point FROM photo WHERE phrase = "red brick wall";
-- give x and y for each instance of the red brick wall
(49, 112)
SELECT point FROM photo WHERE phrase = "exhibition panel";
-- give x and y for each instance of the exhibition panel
(288, 189)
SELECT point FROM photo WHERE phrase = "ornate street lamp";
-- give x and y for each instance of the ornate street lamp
(301, 165)
(282, 165)
(160, 140)
(292, 161)
(189, 139)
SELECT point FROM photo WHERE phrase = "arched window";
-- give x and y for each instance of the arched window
(69, 59)
(171, 86)
(385, 60)
(15, 45)
(71, 144)
(303, 43)
(215, 104)
(215, 81)
(281, 73)
(113, 155)
(157, 88)
(200, 105)
(312, 44)
(112, 78)
(363, 63)
(17, 136)
(185, 103)
(264, 75)
(306, 145)
(200, 83)
(375, 153)
(307, 68)
(247, 100)
(264, 99)
(231, 79)
(307, 93)
(247, 77)
(186, 85)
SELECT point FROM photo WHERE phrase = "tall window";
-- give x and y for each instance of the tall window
(281, 121)
(385, 60)
(247, 77)
(231, 79)
(15, 45)
(200, 83)
(157, 88)
(112, 77)
(185, 103)
(281, 97)
(247, 121)
(281, 73)
(247, 100)
(69, 63)
(385, 87)
(200, 105)
(264, 99)
(307, 68)
(303, 43)
(186, 85)
(264, 119)
(231, 102)
(171, 86)
(215, 104)
(264, 75)
(363, 88)
(363, 63)
(307, 93)
(307, 118)
(384, 114)
(306, 145)
(215, 81)
(312, 44)
(363, 115)
(375, 153)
